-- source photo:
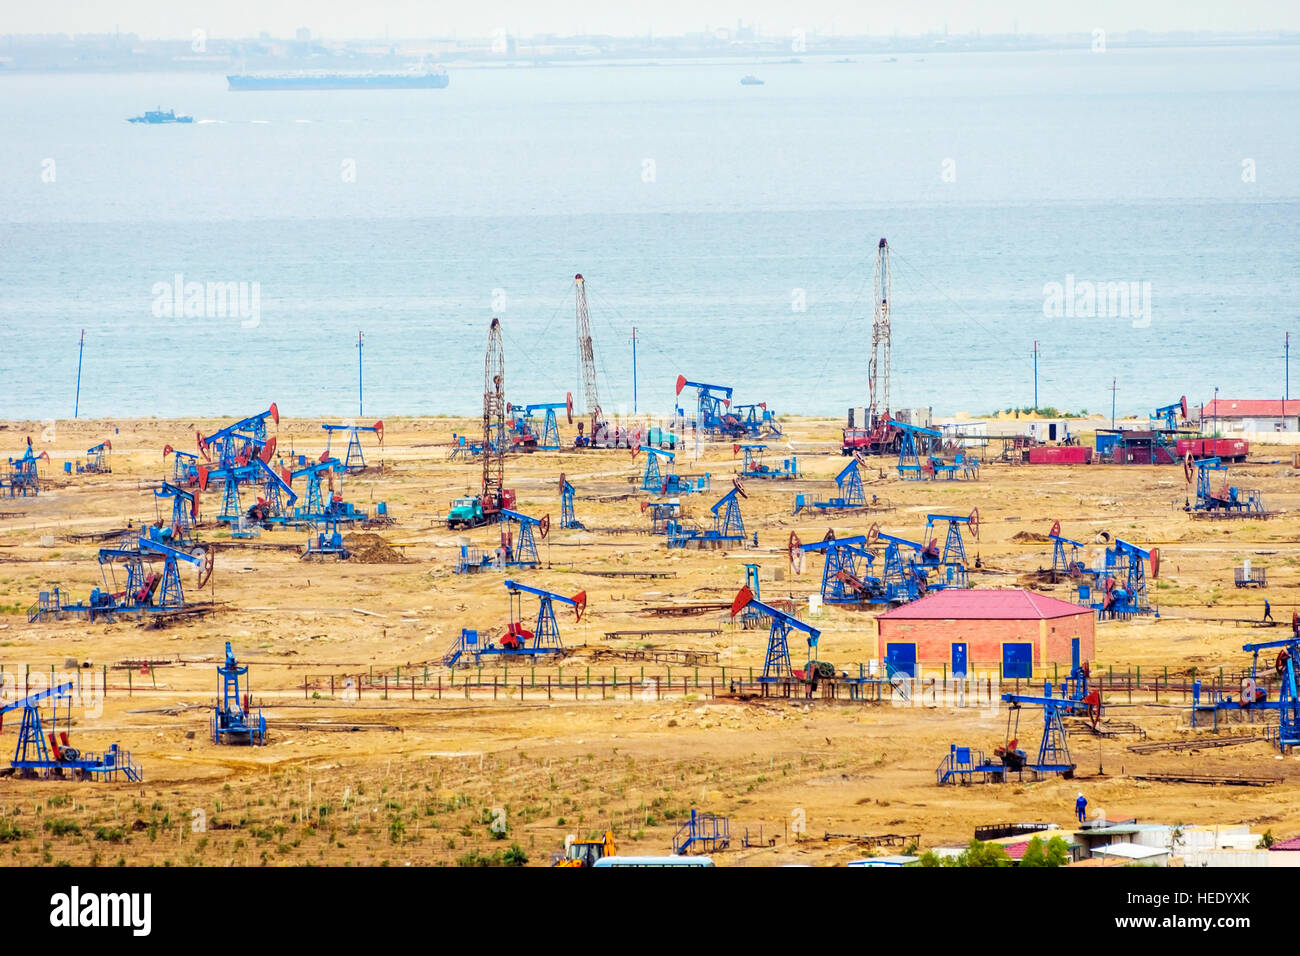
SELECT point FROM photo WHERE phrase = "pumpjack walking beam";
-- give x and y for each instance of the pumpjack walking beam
(355, 459)
(545, 637)
(568, 521)
(32, 758)
(233, 721)
(524, 554)
(846, 577)
(776, 663)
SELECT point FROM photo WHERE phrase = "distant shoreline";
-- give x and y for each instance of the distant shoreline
(867, 54)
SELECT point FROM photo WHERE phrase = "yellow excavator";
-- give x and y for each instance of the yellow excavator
(585, 853)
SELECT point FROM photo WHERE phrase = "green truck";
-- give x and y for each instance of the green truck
(469, 512)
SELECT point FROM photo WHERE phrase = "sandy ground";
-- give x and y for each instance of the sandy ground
(420, 779)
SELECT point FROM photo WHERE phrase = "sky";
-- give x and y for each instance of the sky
(339, 19)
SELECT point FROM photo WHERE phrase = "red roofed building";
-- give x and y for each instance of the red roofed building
(1013, 631)
(1252, 414)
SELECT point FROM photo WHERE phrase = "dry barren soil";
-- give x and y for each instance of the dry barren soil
(377, 753)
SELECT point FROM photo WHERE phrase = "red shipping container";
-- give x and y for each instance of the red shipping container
(1189, 446)
(1228, 448)
(1061, 455)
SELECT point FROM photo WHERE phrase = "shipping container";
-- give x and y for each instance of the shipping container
(1229, 449)
(1061, 455)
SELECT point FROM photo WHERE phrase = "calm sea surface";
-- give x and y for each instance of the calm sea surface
(734, 227)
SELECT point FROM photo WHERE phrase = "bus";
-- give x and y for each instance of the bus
(653, 861)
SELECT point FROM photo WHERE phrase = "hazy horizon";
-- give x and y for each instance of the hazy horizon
(331, 19)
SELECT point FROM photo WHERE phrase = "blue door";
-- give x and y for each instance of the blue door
(1017, 661)
(900, 660)
(1074, 652)
(959, 660)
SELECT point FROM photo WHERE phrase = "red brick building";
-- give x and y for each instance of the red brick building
(1014, 630)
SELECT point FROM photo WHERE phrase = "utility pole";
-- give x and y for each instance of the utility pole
(1216, 411)
(1288, 369)
(361, 392)
(634, 370)
(81, 350)
(1035, 375)
(1113, 389)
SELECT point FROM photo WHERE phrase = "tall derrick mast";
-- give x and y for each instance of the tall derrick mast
(587, 356)
(494, 417)
(878, 371)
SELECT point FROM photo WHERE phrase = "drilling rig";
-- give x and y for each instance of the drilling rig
(598, 436)
(879, 434)
(470, 512)
(878, 371)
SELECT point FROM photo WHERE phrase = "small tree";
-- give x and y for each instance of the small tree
(1034, 855)
(1058, 852)
(983, 854)
(515, 856)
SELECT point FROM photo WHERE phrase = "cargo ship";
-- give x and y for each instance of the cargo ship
(431, 80)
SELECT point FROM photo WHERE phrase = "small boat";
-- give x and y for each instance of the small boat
(750, 80)
(154, 117)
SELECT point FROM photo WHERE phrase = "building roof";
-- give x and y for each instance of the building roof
(1093, 861)
(1291, 844)
(895, 860)
(1107, 831)
(1251, 408)
(1130, 851)
(1011, 604)
(1017, 850)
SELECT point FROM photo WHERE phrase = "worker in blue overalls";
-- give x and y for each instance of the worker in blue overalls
(1080, 805)
(1268, 610)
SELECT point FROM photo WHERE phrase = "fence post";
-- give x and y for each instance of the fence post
(548, 686)
(385, 687)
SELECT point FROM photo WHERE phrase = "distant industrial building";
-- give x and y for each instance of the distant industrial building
(1252, 415)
